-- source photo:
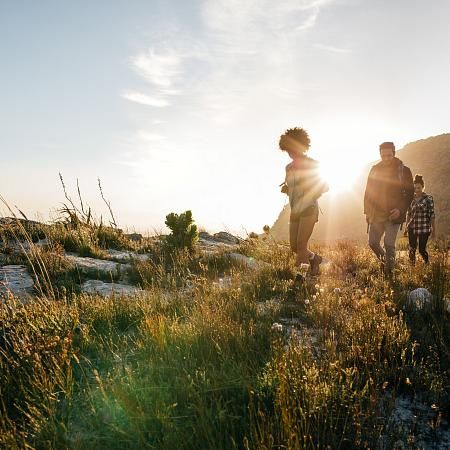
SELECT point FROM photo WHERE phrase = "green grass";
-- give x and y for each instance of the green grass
(188, 364)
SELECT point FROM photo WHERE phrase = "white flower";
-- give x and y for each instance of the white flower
(322, 290)
(277, 327)
(307, 301)
(337, 290)
(314, 296)
(317, 286)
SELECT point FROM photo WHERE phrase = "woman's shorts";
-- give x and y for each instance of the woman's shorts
(312, 210)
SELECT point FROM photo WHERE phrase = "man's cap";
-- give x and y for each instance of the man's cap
(387, 145)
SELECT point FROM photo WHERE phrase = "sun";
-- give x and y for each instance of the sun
(339, 176)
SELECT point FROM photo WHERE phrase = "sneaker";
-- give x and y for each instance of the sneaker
(314, 264)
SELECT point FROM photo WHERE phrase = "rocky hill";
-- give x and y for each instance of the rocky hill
(343, 217)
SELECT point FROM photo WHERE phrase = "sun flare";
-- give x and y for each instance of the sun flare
(340, 177)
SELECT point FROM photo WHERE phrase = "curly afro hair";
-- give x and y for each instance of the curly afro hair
(299, 135)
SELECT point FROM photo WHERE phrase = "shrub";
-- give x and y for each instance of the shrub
(184, 232)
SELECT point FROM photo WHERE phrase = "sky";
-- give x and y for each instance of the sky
(178, 104)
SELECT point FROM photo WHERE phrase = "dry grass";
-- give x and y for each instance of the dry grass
(191, 364)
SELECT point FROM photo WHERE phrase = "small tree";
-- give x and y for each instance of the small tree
(184, 231)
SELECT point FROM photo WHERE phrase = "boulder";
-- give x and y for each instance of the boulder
(108, 289)
(135, 237)
(227, 238)
(126, 255)
(15, 280)
(217, 241)
(88, 264)
(419, 299)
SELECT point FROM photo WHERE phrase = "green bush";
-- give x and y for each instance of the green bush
(184, 232)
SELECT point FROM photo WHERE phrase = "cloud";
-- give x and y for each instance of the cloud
(158, 69)
(144, 99)
(148, 136)
(331, 48)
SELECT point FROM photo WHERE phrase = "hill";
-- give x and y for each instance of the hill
(342, 214)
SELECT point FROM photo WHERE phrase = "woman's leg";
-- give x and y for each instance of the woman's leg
(423, 239)
(293, 232)
(304, 231)
(412, 238)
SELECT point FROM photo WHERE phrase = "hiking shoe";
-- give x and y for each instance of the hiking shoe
(314, 264)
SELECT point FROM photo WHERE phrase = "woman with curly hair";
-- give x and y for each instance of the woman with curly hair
(420, 220)
(304, 186)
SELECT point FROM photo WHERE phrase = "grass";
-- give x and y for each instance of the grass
(191, 364)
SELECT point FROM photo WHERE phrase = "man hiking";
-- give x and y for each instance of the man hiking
(388, 194)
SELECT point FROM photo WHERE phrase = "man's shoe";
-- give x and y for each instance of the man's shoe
(314, 264)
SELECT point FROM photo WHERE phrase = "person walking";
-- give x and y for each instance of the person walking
(420, 220)
(304, 187)
(389, 192)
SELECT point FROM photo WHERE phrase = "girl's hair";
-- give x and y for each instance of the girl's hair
(418, 179)
(294, 134)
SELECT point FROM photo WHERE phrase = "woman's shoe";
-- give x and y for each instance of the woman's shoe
(299, 279)
(314, 264)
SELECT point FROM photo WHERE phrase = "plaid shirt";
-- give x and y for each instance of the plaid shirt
(420, 213)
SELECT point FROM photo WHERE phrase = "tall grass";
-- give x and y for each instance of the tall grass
(193, 364)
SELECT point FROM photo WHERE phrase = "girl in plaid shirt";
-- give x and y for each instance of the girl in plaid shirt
(420, 220)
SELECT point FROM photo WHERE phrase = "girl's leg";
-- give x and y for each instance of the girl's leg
(305, 229)
(423, 239)
(412, 238)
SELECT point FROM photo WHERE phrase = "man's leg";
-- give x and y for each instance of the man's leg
(390, 235)
(412, 238)
(376, 230)
(423, 239)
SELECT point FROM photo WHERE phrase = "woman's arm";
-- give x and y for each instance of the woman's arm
(431, 215)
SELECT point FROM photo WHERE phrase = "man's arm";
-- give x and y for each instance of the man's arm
(368, 194)
(408, 190)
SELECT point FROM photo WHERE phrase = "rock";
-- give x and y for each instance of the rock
(219, 240)
(227, 238)
(126, 255)
(135, 237)
(413, 421)
(101, 265)
(108, 289)
(15, 280)
(246, 261)
(419, 298)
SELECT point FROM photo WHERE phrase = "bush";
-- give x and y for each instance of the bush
(184, 232)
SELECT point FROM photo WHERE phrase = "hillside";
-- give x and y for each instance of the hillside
(343, 217)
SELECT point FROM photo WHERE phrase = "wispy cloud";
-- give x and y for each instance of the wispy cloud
(159, 69)
(330, 48)
(144, 99)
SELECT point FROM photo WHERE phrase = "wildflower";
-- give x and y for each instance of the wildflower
(321, 290)
(314, 296)
(337, 290)
(307, 301)
(277, 327)
(317, 286)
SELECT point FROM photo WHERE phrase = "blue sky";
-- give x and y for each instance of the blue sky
(179, 104)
